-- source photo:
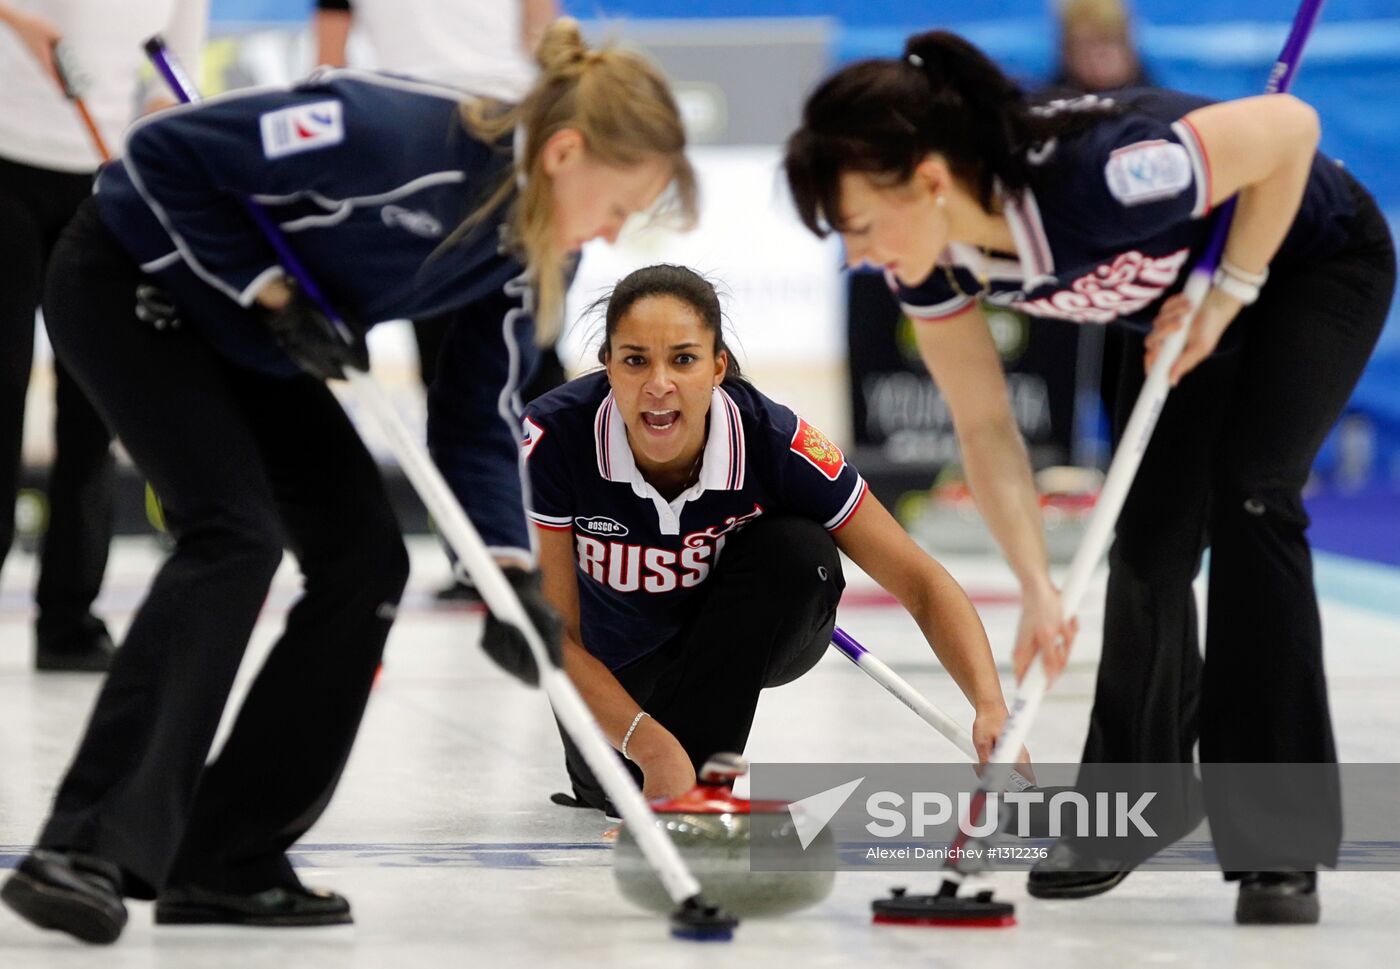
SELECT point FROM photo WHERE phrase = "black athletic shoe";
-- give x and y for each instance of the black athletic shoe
(1065, 873)
(72, 893)
(1278, 898)
(457, 593)
(273, 907)
(86, 650)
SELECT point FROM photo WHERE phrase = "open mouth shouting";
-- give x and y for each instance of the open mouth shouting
(660, 421)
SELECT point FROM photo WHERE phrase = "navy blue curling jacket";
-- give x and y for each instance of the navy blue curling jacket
(368, 175)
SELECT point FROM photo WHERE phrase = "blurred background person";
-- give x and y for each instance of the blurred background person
(47, 161)
(1098, 54)
(1097, 49)
(482, 46)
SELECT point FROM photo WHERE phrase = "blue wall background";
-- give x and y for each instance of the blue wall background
(1224, 49)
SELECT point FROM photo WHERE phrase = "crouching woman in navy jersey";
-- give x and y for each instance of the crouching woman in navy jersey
(935, 168)
(689, 529)
(168, 306)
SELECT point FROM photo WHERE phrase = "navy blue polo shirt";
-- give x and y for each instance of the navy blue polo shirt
(641, 560)
(1112, 221)
(368, 176)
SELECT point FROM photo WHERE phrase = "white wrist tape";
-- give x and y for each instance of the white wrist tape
(1244, 275)
(631, 730)
(1245, 293)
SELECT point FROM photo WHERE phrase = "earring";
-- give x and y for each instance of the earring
(941, 201)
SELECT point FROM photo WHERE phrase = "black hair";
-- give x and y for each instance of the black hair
(882, 117)
(678, 282)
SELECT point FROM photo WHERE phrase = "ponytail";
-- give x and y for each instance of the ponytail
(882, 117)
(622, 106)
(964, 85)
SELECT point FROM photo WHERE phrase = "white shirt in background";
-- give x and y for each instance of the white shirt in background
(38, 126)
(474, 45)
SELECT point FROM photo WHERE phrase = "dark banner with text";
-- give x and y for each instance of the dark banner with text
(912, 817)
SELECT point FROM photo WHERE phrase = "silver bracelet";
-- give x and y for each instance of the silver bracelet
(631, 730)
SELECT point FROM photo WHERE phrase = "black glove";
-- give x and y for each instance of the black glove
(154, 306)
(310, 338)
(506, 645)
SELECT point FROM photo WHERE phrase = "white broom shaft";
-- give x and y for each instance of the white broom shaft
(1099, 532)
(500, 598)
(898, 687)
(880, 672)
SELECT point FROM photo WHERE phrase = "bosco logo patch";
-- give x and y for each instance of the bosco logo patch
(817, 450)
(304, 127)
(1148, 171)
(601, 526)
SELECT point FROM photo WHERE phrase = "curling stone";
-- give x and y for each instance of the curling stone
(713, 831)
(1067, 498)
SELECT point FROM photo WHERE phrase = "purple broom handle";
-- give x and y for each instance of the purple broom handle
(185, 90)
(1280, 80)
(847, 645)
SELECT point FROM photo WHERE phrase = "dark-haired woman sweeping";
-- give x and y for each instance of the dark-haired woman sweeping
(935, 168)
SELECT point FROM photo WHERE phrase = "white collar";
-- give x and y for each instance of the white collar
(721, 467)
(982, 265)
(1032, 247)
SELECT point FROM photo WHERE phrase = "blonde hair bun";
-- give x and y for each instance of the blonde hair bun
(562, 47)
(622, 106)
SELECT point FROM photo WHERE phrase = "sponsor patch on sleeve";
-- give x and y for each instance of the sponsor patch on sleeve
(304, 127)
(1148, 171)
(816, 449)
